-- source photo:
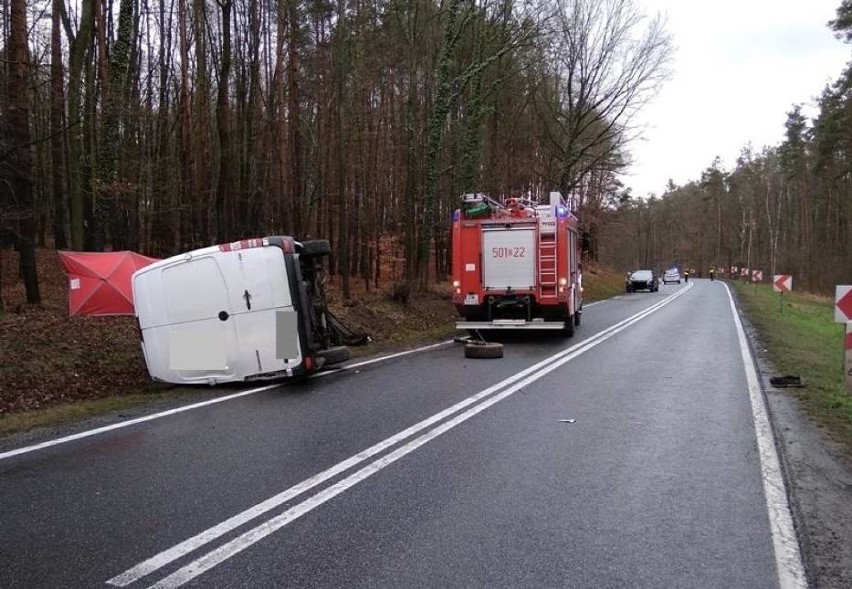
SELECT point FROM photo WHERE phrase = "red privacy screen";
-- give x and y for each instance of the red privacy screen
(99, 282)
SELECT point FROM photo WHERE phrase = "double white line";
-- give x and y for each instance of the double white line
(462, 410)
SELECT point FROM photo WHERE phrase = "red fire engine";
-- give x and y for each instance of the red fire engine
(516, 264)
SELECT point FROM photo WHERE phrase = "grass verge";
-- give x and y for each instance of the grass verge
(601, 283)
(802, 339)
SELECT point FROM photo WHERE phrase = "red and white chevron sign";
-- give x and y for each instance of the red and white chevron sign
(782, 283)
(843, 304)
(757, 275)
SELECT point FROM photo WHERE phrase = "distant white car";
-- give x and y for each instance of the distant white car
(671, 275)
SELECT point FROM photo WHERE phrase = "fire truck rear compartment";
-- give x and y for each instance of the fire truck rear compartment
(508, 258)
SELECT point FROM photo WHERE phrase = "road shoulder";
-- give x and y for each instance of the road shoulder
(819, 480)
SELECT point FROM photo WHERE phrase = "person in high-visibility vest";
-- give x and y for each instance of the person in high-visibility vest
(712, 273)
(686, 275)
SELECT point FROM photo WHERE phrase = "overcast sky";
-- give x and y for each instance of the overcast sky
(739, 66)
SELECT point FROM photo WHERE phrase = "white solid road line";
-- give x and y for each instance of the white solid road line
(233, 547)
(788, 559)
(122, 424)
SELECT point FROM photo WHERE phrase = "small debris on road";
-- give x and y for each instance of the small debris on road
(567, 420)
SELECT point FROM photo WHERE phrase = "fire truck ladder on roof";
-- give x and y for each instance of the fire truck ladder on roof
(547, 264)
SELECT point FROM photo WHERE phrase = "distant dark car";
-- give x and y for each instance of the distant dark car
(642, 280)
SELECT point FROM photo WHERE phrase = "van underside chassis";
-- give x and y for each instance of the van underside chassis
(324, 342)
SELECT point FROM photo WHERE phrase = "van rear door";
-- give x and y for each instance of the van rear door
(263, 314)
(193, 340)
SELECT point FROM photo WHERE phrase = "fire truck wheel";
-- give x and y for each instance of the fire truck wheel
(316, 247)
(483, 350)
(568, 330)
(577, 317)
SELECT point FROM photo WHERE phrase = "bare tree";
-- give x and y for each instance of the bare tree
(606, 60)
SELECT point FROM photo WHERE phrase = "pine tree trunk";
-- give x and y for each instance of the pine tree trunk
(21, 164)
(201, 145)
(80, 50)
(295, 180)
(440, 112)
(223, 118)
(57, 124)
(107, 180)
(186, 191)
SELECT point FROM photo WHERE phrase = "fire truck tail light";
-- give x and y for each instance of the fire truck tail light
(456, 283)
(563, 281)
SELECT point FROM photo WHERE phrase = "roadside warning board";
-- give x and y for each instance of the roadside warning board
(843, 303)
(847, 365)
(756, 275)
(782, 283)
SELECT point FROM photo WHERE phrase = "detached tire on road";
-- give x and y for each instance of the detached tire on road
(483, 350)
(316, 247)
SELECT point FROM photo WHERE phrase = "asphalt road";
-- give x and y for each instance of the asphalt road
(626, 456)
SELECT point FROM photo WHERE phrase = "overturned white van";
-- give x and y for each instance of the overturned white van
(242, 311)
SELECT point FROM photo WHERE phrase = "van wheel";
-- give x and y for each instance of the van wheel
(483, 350)
(334, 355)
(316, 247)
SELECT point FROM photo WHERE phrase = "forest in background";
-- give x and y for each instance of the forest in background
(165, 125)
(783, 209)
